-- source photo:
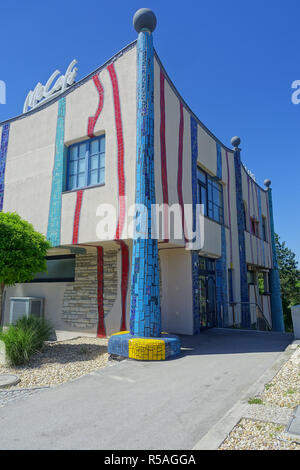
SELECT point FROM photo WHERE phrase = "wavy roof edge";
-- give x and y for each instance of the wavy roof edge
(101, 67)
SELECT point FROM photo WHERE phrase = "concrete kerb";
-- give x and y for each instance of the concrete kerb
(220, 431)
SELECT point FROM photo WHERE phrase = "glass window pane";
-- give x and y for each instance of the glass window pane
(201, 176)
(81, 166)
(73, 153)
(73, 167)
(82, 150)
(63, 268)
(94, 162)
(72, 182)
(94, 147)
(216, 213)
(81, 180)
(216, 196)
(94, 177)
(102, 144)
(102, 176)
(102, 161)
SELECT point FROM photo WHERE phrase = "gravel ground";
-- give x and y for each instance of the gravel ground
(258, 435)
(263, 425)
(284, 389)
(60, 361)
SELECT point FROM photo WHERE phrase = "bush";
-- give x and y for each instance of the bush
(25, 338)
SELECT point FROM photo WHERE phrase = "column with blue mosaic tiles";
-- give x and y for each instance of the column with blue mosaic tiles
(221, 263)
(274, 280)
(245, 306)
(54, 219)
(145, 341)
(194, 253)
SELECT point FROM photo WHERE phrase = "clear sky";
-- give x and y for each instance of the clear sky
(232, 61)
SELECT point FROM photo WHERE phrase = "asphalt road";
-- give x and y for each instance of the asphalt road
(140, 405)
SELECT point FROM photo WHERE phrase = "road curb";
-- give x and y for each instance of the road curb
(218, 433)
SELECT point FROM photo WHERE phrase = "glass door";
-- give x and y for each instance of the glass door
(207, 293)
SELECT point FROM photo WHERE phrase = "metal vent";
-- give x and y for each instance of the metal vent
(25, 306)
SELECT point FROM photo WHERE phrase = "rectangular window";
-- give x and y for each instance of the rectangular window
(254, 226)
(86, 163)
(210, 193)
(251, 277)
(60, 269)
(263, 284)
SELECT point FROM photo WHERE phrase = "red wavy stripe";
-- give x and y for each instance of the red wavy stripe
(179, 173)
(124, 281)
(101, 333)
(92, 120)
(164, 175)
(77, 216)
(120, 141)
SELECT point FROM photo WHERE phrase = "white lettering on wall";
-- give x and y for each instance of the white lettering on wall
(43, 93)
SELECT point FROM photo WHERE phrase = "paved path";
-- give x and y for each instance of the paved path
(138, 405)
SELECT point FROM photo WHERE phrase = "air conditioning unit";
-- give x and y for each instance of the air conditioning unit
(25, 306)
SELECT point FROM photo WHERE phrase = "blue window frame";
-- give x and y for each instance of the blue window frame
(210, 193)
(86, 163)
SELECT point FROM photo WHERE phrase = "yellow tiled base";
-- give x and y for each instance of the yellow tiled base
(146, 349)
(121, 333)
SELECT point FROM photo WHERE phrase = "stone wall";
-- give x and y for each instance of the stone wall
(80, 307)
(110, 280)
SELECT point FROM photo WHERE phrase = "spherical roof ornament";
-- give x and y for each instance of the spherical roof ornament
(267, 183)
(144, 18)
(235, 142)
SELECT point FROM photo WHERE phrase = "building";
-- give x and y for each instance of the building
(122, 136)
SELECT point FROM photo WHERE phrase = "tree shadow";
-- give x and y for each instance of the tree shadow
(58, 353)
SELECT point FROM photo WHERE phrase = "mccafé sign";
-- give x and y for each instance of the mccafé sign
(43, 93)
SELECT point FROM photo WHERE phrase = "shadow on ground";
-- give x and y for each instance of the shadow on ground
(66, 353)
(230, 341)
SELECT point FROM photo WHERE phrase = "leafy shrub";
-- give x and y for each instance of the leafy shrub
(25, 338)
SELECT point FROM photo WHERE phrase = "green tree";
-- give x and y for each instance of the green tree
(289, 280)
(22, 251)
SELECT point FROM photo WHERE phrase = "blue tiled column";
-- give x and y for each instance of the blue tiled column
(245, 307)
(221, 264)
(274, 280)
(54, 219)
(145, 316)
(195, 254)
(145, 341)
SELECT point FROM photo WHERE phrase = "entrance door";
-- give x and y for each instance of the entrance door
(207, 293)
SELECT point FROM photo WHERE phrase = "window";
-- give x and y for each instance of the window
(86, 163)
(210, 193)
(264, 228)
(254, 226)
(263, 285)
(60, 269)
(251, 277)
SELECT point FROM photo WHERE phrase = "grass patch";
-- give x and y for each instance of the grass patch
(25, 338)
(267, 386)
(255, 401)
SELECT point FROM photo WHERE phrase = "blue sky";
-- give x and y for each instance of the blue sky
(233, 62)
